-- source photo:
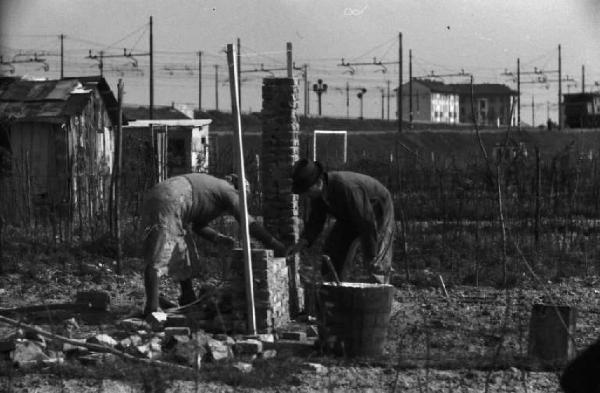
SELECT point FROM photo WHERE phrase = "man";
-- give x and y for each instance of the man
(170, 208)
(363, 210)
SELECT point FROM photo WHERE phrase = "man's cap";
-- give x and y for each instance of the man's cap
(304, 174)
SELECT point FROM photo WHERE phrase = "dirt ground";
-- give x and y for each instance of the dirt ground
(472, 340)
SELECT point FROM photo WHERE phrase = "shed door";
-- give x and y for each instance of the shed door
(160, 147)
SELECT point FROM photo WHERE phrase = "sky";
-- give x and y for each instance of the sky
(481, 37)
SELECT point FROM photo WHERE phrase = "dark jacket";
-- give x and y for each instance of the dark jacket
(359, 201)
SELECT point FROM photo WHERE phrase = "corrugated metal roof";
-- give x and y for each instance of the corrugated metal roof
(159, 112)
(51, 100)
(465, 88)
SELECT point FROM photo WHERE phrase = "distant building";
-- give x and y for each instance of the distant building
(492, 103)
(432, 102)
(437, 102)
(582, 110)
(60, 138)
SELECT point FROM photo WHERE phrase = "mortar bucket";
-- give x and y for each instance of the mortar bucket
(354, 317)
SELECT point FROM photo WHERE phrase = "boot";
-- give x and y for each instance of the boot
(151, 286)
(187, 292)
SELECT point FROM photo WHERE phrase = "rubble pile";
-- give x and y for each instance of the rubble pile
(174, 338)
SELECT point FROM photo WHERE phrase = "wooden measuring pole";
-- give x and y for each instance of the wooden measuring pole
(118, 176)
(234, 87)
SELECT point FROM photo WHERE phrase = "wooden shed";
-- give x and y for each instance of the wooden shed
(60, 138)
(154, 150)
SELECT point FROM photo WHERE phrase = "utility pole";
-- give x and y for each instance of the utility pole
(62, 56)
(559, 89)
(199, 82)
(382, 103)
(217, 87)
(518, 93)
(151, 111)
(399, 98)
(583, 78)
(320, 88)
(388, 99)
(410, 87)
(347, 100)
(532, 110)
(239, 62)
(118, 176)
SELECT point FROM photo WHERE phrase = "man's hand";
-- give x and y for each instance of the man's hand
(279, 249)
(296, 248)
(224, 241)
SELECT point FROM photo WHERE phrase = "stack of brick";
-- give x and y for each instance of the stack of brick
(280, 149)
(271, 295)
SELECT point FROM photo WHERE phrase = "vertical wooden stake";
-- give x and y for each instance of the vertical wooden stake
(119, 165)
(233, 83)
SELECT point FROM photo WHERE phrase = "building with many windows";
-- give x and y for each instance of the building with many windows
(437, 102)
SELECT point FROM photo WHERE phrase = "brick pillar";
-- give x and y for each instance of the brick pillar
(280, 149)
(270, 290)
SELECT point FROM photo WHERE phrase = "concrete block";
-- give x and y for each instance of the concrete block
(551, 332)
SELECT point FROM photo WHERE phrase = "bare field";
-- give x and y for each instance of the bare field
(476, 338)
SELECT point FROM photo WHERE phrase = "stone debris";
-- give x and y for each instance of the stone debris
(132, 341)
(269, 354)
(157, 320)
(103, 339)
(316, 367)
(219, 350)
(28, 351)
(180, 344)
(243, 367)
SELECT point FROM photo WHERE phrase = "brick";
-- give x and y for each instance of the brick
(176, 331)
(248, 347)
(296, 336)
(176, 320)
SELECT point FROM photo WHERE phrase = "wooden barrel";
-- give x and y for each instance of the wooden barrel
(354, 317)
